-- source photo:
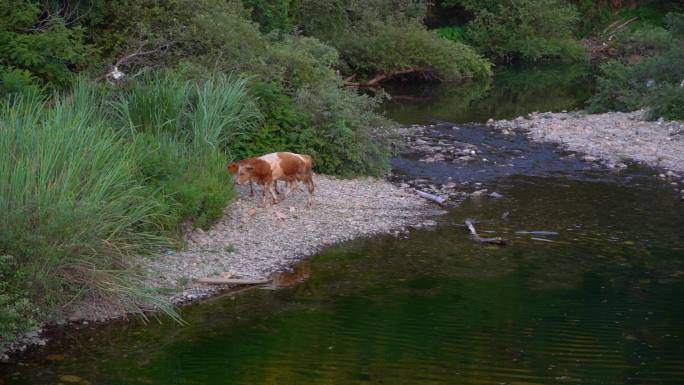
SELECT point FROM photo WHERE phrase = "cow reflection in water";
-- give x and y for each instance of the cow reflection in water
(267, 169)
(300, 273)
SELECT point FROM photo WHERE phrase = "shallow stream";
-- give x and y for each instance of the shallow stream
(588, 291)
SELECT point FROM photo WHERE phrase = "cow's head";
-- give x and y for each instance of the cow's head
(233, 168)
(244, 173)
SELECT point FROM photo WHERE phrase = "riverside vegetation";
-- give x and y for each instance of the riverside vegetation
(95, 172)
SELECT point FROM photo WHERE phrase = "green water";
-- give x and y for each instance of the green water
(514, 91)
(600, 304)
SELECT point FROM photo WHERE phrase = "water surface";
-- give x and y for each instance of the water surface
(514, 91)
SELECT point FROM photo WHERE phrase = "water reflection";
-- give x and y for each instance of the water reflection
(514, 91)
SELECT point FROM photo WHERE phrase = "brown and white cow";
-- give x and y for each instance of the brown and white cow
(270, 168)
(233, 170)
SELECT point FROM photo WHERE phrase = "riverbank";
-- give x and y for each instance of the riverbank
(253, 243)
(613, 137)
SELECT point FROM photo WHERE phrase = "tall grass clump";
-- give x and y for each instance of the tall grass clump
(222, 111)
(155, 104)
(183, 132)
(74, 210)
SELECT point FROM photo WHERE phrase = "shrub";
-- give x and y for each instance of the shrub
(453, 33)
(271, 14)
(647, 74)
(378, 38)
(388, 47)
(617, 89)
(43, 47)
(14, 81)
(667, 101)
(345, 136)
(528, 30)
(647, 41)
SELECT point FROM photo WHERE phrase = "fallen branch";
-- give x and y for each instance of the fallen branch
(475, 236)
(431, 197)
(537, 232)
(231, 281)
(373, 82)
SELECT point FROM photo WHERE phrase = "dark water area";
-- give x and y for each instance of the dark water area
(514, 91)
(498, 156)
(588, 291)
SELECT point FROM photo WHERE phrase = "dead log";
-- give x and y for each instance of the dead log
(475, 236)
(432, 197)
(231, 281)
(375, 81)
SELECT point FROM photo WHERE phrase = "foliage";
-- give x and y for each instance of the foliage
(667, 101)
(271, 14)
(647, 41)
(104, 176)
(646, 74)
(530, 30)
(14, 81)
(387, 47)
(344, 135)
(453, 33)
(73, 210)
(35, 47)
(182, 131)
(17, 313)
(376, 38)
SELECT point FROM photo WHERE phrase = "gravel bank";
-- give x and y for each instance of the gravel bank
(613, 137)
(252, 242)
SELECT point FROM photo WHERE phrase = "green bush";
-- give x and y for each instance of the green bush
(345, 136)
(647, 73)
(617, 89)
(43, 47)
(388, 47)
(529, 30)
(14, 81)
(271, 14)
(454, 33)
(377, 38)
(647, 41)
(667, 101)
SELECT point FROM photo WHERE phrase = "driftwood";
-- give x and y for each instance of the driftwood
(475, 236)
(537, 232)
(375, 81)
(431, 197)
(231, 281)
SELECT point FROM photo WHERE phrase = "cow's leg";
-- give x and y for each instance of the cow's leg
(251, 189)
(272, 191)
(308, 181)
(275, 186)
(291, 184)
(265, 187)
